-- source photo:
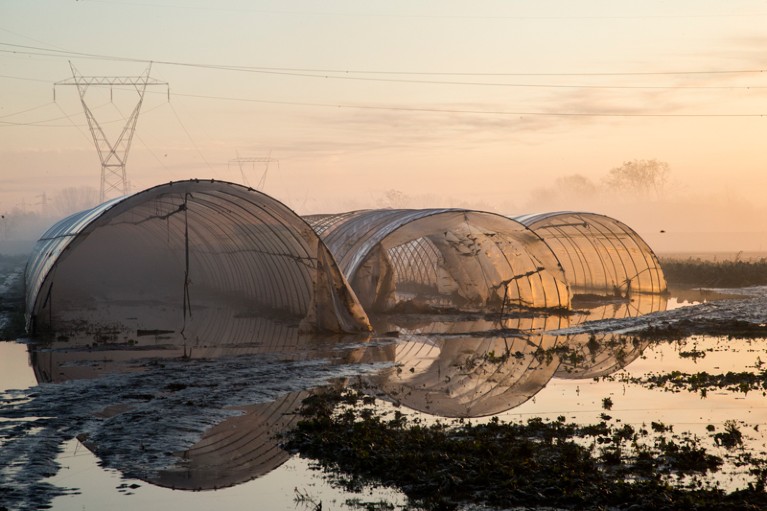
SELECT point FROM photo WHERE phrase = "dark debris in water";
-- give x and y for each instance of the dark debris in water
(444, 466)
(731, 328)
(704, 382)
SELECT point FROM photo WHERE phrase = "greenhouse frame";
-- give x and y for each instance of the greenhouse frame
(600, 255)
(195, 258)
(216, 260)
(442, 259)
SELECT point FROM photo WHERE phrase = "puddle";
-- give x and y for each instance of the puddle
(154, 424)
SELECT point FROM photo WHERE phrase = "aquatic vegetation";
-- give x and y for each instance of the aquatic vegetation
(445, 465)
(730, 437)
(741, 381)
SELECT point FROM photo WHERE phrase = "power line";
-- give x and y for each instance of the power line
(512, 85)
(146, 146)
(344, 73)
(72, 122)
(429, 16)
(406, 109)
(25, 111)
(189, 136)
(456, 111)
(41, 123)
(23, 78)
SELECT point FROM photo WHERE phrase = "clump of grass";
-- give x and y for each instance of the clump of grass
(731, 437)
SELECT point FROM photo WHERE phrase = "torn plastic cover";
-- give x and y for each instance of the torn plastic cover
(201, 259)
(442, 259)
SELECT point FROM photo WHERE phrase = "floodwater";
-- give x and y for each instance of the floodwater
(162, 422)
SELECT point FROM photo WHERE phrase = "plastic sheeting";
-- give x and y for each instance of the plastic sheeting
(193, 258)
(600, 255)
(442, 259)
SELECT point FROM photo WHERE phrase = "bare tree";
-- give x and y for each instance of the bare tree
(393, 198)
(576, 186)
(573, 191)
(643, 178)
(73, 199)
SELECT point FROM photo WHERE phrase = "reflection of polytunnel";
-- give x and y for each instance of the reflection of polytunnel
(442, 258)
(638, 305)
(466, 376)
(599, 254)
(192, 418)
(237, 450)
(597, 355)
(192, 258)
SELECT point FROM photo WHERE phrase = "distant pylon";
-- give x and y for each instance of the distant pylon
(252, 161)
(113, 156)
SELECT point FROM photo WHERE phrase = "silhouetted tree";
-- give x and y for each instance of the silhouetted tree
(394, 199)
(643, 178)
(576, 185)
(73, 199)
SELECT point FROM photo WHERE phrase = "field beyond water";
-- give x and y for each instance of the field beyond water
(630, 405)
(727, 273)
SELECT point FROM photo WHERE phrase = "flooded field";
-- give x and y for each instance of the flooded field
(163, 421)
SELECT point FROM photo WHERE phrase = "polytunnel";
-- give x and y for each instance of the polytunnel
(193, 258)
(442, 259)
(600, 255)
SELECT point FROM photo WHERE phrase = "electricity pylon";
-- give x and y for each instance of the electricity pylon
(113, 156)
(252, 161)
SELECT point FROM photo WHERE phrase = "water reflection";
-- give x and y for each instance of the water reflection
(177, 414)
(464, 376)
(464, 366)
(639, 304)
(237, 450)
(204, 412)
(596, 355)
(69, 358)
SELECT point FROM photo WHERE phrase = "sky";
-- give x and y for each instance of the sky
(488, 105)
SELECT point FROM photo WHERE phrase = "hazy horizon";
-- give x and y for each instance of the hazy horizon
(495, 106)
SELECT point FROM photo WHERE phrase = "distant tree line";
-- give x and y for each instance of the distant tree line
(640, 180)
(698, 272)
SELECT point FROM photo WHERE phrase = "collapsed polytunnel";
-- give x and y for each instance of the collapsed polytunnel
(199, 259)
(442, 259)
(600, 255)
